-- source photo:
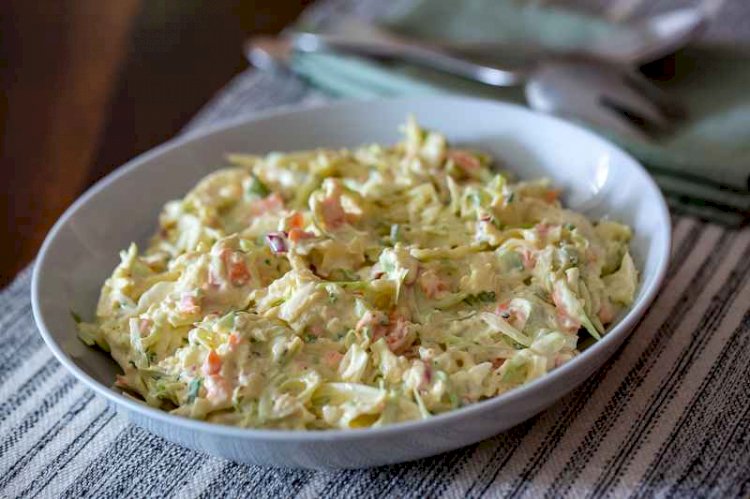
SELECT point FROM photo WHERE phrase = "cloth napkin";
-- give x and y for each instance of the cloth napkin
(703, 168)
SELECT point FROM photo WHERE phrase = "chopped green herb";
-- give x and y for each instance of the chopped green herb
(510, 197)
(570, 226)
(76, 317)
(256, 188)
(481, 297)
(267, 261)
(309, 338)
(454, 400)
(193, 388)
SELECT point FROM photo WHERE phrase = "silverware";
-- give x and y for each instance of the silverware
(601, 93)
(597, 84)
(623, 102)
(387, 46)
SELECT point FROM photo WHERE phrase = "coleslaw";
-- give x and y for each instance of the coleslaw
(357, 288)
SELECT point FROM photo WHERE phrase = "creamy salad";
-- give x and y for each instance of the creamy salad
(357, 288)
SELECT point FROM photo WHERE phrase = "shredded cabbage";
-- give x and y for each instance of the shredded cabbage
(357, 288)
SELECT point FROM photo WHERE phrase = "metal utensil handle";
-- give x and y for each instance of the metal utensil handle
(417, 54)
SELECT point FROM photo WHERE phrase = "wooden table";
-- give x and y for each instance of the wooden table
(88, 84)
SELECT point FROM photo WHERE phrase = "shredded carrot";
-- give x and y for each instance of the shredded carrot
(296, 220)
(332, 358)
(551, 195)
(237, 270)
(234, 339)
(273, 202)
(189, 304)
(464, 159)
(212, 365)
(238, 273)
(528, 258)
(299, 234)
(333, 213)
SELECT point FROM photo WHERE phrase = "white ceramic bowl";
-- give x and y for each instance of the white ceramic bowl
(82, 249)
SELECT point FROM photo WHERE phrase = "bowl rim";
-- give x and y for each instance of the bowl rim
(623, 327)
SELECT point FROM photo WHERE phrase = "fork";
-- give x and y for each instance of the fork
(614, 98)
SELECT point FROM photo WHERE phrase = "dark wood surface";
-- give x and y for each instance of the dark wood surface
(88, 84)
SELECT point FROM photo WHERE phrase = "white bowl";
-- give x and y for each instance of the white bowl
(82, 249)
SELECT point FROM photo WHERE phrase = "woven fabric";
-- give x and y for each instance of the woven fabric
(669, 415)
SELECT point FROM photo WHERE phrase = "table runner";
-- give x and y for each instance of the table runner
(668, 416)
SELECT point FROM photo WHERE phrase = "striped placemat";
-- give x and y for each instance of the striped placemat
(669, 415)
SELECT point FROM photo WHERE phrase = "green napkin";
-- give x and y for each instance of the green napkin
(704, 168)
